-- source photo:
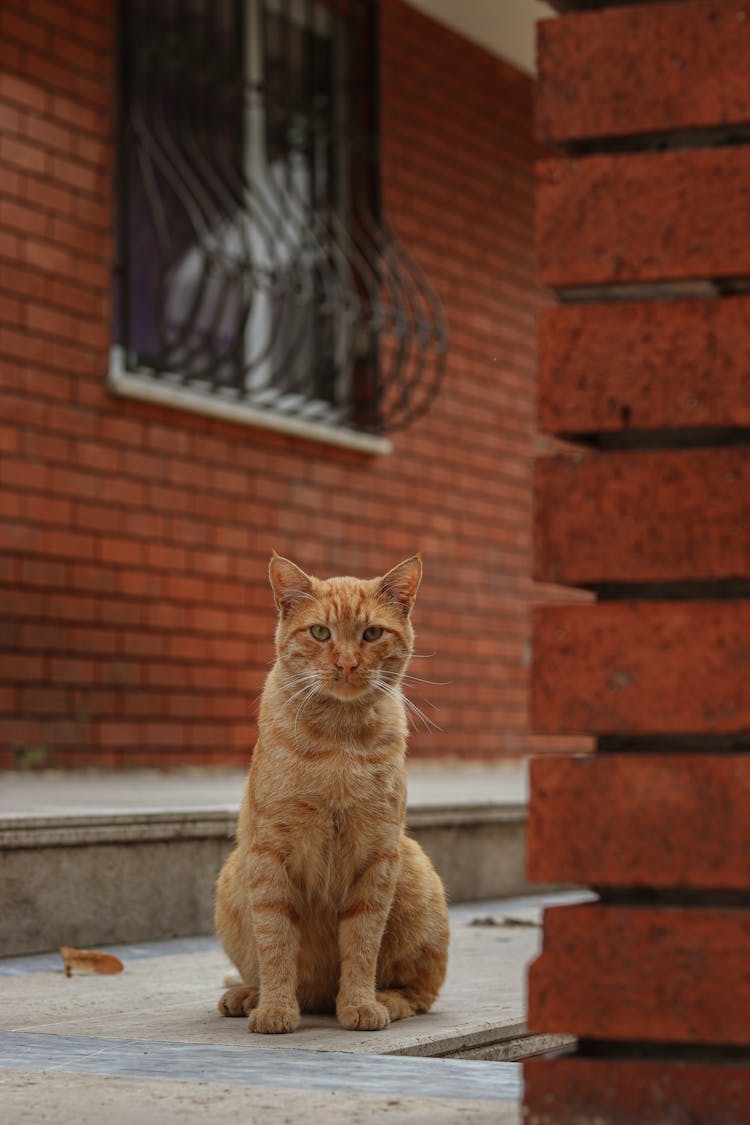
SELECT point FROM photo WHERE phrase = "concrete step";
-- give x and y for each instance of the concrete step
(100, 859)
(155, 1028)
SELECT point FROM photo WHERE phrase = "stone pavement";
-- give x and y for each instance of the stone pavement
(148, 1044)
(74, 1099)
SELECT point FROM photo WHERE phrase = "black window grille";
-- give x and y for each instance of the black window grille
(255, 264)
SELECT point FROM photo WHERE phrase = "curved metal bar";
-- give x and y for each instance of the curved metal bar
(202, 62)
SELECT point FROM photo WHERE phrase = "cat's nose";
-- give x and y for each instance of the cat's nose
(346, 663)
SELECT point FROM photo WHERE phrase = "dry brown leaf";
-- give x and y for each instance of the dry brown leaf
(88, 961)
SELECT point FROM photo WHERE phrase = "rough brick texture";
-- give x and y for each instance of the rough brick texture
(137, 619)
(681, 515)
(650, 204)
(579, 1091)
(644, 366)
(584, 809)
(643, 974)
(645, 667)
(666, 216)
(596, 71)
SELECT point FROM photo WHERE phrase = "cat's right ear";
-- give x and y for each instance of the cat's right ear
(290, 585)
(400, 585)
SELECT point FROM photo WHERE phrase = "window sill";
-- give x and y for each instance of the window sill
(132, 385)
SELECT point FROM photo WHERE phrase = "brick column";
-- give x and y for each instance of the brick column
(644, 233)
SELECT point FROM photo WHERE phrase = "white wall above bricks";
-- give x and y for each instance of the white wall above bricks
(503, 27)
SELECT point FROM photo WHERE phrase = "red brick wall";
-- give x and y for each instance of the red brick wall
(648, 199)
(137, 620)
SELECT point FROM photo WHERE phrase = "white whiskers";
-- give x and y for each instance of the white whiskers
(309, 680)
(393, 691)
(313, 691)
(413, 679)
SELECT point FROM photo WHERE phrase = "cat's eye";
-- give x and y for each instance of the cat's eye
(372, 633)
(320, 632)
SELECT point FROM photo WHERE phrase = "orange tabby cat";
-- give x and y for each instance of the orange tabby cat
(325, 904)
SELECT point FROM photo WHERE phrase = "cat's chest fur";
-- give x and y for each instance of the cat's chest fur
(339, 812)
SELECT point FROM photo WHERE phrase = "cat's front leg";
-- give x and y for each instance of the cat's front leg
(361, 924)
(276, 927)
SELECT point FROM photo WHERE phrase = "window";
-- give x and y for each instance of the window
(257, 276)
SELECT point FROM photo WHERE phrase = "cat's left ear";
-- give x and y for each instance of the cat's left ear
(399, 586)
(290, 585)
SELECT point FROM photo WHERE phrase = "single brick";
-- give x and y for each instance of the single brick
(596, 70)
(647, 820)
(666, 216)
(649, 974)
(641, 667)
(644, 365)
(643, 517)
(580, 1091)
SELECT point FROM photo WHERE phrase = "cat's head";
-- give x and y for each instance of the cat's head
(345, 637)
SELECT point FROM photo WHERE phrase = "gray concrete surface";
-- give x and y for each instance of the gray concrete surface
(148, 1044)
(77, 880)
(169, 990)
(75, 1099)
(48, 792)
(103, 858)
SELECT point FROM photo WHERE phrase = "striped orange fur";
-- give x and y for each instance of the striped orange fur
(325, 904)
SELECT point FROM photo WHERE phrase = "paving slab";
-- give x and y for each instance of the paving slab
(287, 1069)
(149, 1045)
(169, 991)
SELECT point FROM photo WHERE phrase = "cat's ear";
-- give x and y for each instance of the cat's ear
(290, 585)
(399, 586)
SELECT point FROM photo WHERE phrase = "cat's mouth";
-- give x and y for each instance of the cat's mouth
(346, 689)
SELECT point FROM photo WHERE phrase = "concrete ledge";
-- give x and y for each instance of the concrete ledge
(478, 850)
(135, 875)
(116, 828)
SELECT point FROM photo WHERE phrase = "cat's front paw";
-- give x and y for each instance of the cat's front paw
(273, 1020)
(363, 1017)
(238, 1001)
